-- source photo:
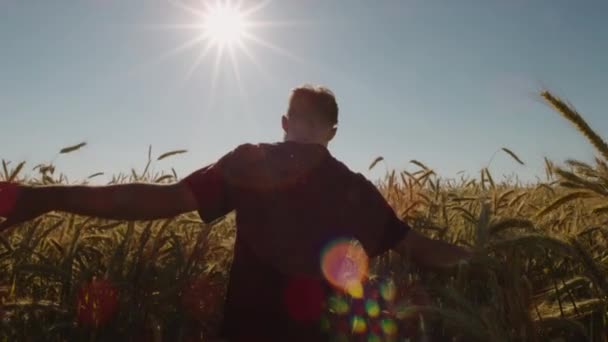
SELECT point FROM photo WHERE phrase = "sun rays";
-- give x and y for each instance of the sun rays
(222, 32)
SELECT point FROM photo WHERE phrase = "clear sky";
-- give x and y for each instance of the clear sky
(444, 82)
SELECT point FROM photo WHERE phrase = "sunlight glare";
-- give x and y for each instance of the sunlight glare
(224, 24)
(224, 28)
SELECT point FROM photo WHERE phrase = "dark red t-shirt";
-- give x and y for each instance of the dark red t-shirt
(292, 202)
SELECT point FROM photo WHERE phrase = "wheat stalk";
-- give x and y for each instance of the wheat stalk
(577, 120)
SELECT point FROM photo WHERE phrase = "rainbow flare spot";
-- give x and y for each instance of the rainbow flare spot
(338, 305)
(359, 326)
(372, 308)
(388, 290)
(373, 338)
(389, 327)
(354, 289)
(345, 264)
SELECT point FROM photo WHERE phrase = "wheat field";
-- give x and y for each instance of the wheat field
(540, 271)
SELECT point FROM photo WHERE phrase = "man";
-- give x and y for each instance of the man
(293, 200)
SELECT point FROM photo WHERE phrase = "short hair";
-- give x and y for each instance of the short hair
(319, 97)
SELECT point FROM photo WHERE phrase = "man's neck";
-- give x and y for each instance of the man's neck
(301, 141)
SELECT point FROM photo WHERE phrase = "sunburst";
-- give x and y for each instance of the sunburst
(226, 27)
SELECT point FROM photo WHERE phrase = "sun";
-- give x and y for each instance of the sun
(226, 29)
(224, 24)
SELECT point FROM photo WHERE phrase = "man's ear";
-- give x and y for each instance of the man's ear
(332, 133)
(285, 123)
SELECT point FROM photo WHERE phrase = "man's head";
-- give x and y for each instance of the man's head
(312, 115)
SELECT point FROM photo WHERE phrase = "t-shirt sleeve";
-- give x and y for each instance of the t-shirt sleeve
(211, 190)
(377, 227)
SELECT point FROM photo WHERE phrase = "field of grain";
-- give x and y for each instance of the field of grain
(540, 271)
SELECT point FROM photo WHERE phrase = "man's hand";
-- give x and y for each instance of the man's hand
(432, 253)
(135, 201)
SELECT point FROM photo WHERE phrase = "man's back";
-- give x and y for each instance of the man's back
(297, 208)
(292, 201)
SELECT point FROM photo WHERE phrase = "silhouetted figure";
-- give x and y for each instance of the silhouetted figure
(295, 204)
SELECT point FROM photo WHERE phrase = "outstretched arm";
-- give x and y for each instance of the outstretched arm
(380, 230)
(431, 253)
(135, 201)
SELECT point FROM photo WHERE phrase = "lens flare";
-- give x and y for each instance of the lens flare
(338, 305)
(8, 198)
(358, 324)
(388, 290)
(372, 308)
(373, 338)
(354, 289)
(345, 264)
(389, 327)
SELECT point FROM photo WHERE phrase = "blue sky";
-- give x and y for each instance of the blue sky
(444, 82)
